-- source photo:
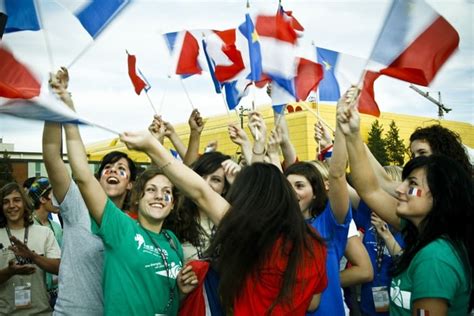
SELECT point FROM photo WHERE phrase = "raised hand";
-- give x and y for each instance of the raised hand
(322, 136)
(274, 142)
(187, 280)
(169, 129)
(237, 135)
(59, 83)
(231, 169)
(257, 126)
(157, 128)
(347, 114)
(141, 141)
(196, 123)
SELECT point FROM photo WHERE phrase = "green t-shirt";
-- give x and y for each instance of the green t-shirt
(436, 271)
(135, 279)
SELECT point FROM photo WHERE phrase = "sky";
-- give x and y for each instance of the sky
(103, 93)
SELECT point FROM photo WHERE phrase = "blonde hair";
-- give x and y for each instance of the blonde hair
(322, 167)
(395, 172)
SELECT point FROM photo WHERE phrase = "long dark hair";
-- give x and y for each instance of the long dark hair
(451, 215)
(184, 222)
(314, 177)
(263, 209)
(443, 141)
(27, 205)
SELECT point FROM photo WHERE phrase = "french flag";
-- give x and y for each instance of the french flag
(138, 80)
(95, 15)
(413, 44)
(184, 50)
(340, 71)
(21, 14)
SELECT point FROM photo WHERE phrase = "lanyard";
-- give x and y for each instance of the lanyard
(49, 223)
(165, 263)
(19, 259)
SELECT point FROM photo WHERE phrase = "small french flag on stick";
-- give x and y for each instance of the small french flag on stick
(422, 312)
(415, 192)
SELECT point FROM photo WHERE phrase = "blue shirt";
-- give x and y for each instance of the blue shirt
(335, 236)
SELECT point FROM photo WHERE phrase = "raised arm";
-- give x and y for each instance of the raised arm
(383, 178)
(363, 176)
(287, 148)
(238, 136)
(186, 180)
(52, 156)
(273, 146)
(338, 193)
(259, 132)
(170, 132)
(196, 125)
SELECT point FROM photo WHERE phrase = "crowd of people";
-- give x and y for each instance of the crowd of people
(212, 236)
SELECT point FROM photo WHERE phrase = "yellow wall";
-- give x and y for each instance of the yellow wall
(301, 131)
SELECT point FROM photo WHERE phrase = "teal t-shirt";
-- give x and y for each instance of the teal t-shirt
(135, 279)
(436, 271)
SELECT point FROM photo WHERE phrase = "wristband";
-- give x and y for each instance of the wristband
(258, 154)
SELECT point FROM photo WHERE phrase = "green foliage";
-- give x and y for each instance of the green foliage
(376, 143)
(6, 170)
(394, 146)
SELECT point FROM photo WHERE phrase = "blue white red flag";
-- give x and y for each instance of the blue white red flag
(248, 30)
(414, 42)
(16, 80)
(21, 14)
(96, 15)
(185, 52)
(138, 80)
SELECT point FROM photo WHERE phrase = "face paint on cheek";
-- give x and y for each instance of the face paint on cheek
(414, 192)
(105, 172)
(167, 198)
(123, 174)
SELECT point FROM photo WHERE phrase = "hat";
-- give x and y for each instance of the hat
(38, 188)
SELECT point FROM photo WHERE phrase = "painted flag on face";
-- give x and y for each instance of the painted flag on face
(21, 14)
(96, 15)
(138, 80)
(16, 80)
(414, 42)
(184, 50)
(414, 192)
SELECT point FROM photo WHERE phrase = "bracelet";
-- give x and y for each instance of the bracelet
(258, 154)
(161, 168)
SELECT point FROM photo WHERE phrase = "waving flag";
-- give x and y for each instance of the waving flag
(97, 14)
(248, 30)
(21, 15)
(184, 50)
(294, 22)
(278, 41)
(138, 80)
(16, 80)
(414, 42)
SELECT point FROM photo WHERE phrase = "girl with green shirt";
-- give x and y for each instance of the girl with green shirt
(433, 209)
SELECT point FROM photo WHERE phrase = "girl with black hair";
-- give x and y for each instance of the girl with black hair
(269, 260)
(433, 209)
(191, 224)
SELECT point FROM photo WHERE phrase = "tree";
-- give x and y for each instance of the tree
(376, 143)
(6, 170)
(394, 146)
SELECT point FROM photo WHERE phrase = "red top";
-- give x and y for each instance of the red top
(260, 291)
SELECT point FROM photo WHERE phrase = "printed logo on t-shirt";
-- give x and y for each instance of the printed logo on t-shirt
(140, 240)
(399, 297)
(173, 271)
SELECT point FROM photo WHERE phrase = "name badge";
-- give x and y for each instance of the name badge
(23, 296)
(381, 298)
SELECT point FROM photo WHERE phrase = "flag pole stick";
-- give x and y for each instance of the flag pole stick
(151, 103)
(80, 54)
(319, 118)
(317, 115)
(45, 36)
(186, 92)
(164, 94)
(101, 127)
